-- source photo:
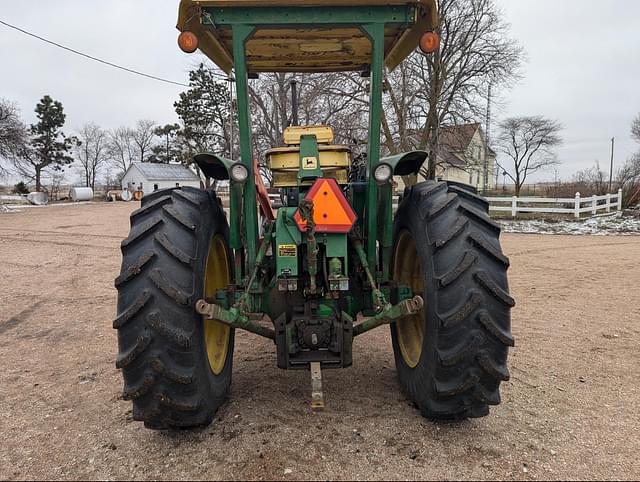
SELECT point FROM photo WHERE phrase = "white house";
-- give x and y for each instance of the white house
(148, 177)
(463, 156)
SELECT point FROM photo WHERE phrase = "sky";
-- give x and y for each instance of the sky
(582, 69)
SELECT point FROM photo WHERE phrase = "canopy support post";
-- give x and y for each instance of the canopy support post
(375, 31)
(241, 33)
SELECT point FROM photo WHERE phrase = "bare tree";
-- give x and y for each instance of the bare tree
(593, 179)
(476, 53)
(122, 150)
(339, 100)
(447, 88)
(342, 101)
(143, 136)
(628, 179)
(451, 86)
(13, 134)
(529, 143)
(270, 99)
(271, 102)
(628, 176)
(92, 152)
(635, 128)
(55, 180)
(629, 173)
(112, 178)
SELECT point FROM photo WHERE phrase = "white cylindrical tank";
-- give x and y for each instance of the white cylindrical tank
(81, 194)
(118, 196)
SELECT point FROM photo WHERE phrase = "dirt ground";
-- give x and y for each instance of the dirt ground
(570, 410)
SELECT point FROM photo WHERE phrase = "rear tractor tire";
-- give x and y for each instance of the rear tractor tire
(452, 356)
(176, 367)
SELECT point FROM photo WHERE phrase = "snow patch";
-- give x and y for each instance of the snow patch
(598, 226)
(16, 208)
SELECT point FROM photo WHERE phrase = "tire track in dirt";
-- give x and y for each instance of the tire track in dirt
(568, 247)
(20, 317)
(17, 231)
(58, 243)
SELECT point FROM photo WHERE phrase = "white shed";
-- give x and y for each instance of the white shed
(148, 177)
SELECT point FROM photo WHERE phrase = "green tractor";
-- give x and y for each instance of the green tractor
(331, 264)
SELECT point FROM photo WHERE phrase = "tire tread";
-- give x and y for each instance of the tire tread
(468, 309)
(161, 349)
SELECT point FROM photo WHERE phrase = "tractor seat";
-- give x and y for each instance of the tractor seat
(284, 162)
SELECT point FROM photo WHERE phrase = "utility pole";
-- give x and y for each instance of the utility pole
(231, 80)
(613, 145)
(294, 102)
(486, 146)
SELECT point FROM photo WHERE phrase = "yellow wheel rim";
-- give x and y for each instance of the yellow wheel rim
(217, 276)
(408, 271)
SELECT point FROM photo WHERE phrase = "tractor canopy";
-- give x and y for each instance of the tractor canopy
(253, 36)
(292, 39)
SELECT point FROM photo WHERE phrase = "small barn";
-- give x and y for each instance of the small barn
(148, 177)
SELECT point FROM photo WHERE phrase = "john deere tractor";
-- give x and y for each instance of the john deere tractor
(331, 264)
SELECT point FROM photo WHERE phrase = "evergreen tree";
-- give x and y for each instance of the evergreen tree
(204, 112)
(21, 188)
(167, 150)
(48, 146)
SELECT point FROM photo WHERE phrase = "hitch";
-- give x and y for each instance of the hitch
(389, 314)
(317, 397)
(233, 318)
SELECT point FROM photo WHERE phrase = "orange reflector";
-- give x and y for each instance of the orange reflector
(188, 42)
(331, 210)
(429, 42)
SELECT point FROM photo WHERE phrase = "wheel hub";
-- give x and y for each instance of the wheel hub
(408, 270)
(217, 276)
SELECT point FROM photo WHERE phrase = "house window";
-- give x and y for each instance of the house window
(155, 187)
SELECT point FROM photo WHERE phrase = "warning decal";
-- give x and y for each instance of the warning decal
(287, 250)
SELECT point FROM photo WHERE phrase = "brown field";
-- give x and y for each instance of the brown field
(570, 410)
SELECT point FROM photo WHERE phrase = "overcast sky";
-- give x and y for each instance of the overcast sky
(583, 66)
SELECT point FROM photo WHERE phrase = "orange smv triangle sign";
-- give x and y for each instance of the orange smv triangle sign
(331, 210)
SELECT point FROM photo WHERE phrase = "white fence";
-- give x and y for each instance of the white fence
(576, 206)
(514, 205)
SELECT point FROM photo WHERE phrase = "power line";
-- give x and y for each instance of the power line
(110, 64)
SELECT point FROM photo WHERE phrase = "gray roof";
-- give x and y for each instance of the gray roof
(166, 172)
(445, 156)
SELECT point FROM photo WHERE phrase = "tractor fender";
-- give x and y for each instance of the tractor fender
(406, 163)
(213, 166)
